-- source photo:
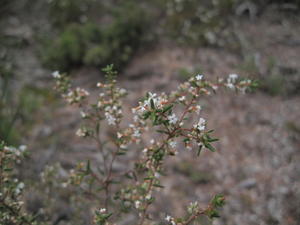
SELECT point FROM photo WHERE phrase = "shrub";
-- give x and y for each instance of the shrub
(197, 22)
(133, 189)
(90, 44)
(11, 203)
(64, 12)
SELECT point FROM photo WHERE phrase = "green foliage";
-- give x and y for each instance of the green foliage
(63, 12)
(195, 21)
(11, 204)
(91, 44)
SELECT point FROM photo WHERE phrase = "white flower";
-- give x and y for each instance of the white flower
(81, 132)
(148, 197)
(199, 77)
(215, 87)
(198, 109)
(189, 147)
(119, 135)
(19, 188)
(123, 91)
(173, 144)
(56, 74)
(135, 118)
(103, 210)
(152, 95)
(182, 98)
(230, 85)
(172, 119)
(123, 146)
(156, 174)
(82, 92)
(136, 133)
(110, 119)
(200, 125)
(83, 115)
(168, 218)
(137, 204)
(22, 148)
(232, 77)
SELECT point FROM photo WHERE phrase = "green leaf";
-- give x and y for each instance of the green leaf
(146, 115)
(88, 167)
(121, 153)
(158, 185)
(152, 104)
(212, 139)
(167, 108)
(212, 214)
(210, 147)
(218, 200)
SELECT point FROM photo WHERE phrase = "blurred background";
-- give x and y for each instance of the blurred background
(155, 45)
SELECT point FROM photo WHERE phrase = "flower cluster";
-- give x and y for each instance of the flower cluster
(173, 119)
(11, 204)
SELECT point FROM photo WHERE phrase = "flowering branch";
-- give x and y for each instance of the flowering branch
(154, 114)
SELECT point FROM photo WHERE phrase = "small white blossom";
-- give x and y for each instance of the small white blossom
(199, 77)
(56, 74)
(119, 135)
(81, 132)
(83, 115)
(200, 125)
(156, 174)
(152, 95)
(135, 118)
(137, 204)
(182, 98)
(232, 78)
(148, 197)
(136, 133)
(110, 119)
(22, 148)
(229, 85)
(198, 109)
(122, 91)
(19, 188)
(103, 210)
(172, 119)
(123, 146)
(173, 144)
(189, 147)
(168, 218)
